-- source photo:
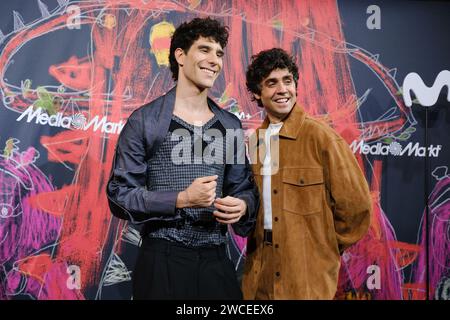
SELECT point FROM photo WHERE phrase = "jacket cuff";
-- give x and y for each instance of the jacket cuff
(162, 202)
(245, 225)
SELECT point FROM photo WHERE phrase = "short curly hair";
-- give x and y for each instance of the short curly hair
(188, 32)
(263, 64)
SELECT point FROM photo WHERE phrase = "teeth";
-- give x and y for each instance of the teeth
(282, 100)
(209, 71)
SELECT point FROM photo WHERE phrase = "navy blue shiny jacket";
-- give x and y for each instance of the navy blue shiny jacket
(139, 140)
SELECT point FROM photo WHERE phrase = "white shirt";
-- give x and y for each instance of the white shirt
(272, 130)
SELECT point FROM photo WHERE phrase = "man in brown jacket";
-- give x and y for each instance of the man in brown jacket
(316, 201)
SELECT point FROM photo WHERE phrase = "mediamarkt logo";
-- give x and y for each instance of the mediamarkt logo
(77, 121)
(395, 149)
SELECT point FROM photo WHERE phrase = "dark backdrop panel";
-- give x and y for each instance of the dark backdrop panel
(103, 59)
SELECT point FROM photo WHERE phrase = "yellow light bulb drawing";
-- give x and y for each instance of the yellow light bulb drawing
(160, 35)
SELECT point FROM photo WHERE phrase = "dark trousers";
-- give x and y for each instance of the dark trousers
(166, 270)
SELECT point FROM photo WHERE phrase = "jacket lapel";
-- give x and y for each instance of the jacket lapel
(293, 122)
(163, 119)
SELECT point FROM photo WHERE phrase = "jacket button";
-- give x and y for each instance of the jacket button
(276, 219)
(277, 274)
(301, 181)
(275, 191)
(276, 245)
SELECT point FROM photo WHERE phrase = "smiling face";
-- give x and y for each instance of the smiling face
(201, 64)
(278, 94)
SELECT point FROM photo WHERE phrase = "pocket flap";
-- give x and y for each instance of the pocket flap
(303, 176)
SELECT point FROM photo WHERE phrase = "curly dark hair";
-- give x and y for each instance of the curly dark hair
(188, 32)
(263, 64)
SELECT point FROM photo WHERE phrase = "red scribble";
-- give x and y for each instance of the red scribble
(405, 253)
(53, 202)
(36, 266)
(161, 43)
(67, 146)
(74, 74)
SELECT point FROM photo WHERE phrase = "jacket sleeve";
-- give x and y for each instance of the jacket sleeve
(240, 183)
(349, 193)
(126, 190)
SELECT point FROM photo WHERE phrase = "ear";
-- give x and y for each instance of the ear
(179, 56)
(258, 100)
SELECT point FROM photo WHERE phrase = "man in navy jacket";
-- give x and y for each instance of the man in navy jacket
(180, 169)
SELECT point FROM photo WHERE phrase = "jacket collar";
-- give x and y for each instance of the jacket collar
(291, 124)
(290, 130)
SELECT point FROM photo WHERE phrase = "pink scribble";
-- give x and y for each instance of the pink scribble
(439, 241)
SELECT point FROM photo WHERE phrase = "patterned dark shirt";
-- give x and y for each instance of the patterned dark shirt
(189, 152)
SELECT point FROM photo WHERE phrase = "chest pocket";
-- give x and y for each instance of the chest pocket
(303, 190)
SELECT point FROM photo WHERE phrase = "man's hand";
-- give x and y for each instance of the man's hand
(230, 209)
(200, 193)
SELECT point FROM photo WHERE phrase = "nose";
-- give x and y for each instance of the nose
(281, 87)
(213, 59)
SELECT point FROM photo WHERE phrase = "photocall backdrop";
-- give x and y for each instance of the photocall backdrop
(71, 72)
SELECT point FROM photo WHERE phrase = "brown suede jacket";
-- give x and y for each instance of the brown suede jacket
(321, 205)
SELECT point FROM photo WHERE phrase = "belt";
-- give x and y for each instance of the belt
(268, 236)
(168, 247)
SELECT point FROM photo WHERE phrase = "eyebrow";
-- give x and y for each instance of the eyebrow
(205, 46)
(287, 77)
(270, 80)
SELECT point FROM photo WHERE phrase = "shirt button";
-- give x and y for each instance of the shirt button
(275, 191)
(301, 181)
(277, 274)
(276, 245)
(276, 219)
